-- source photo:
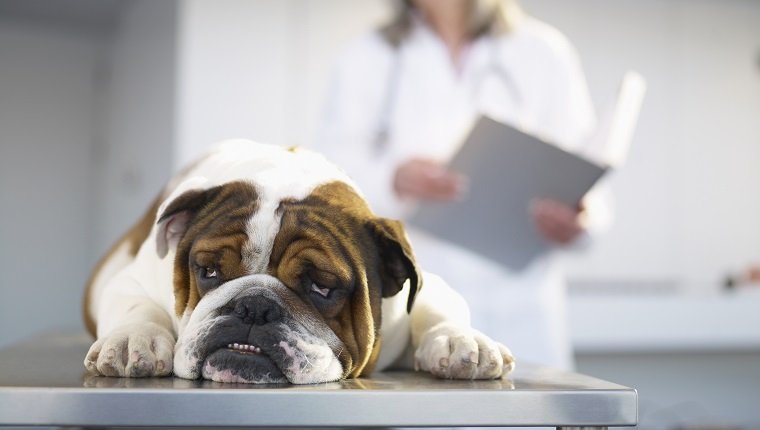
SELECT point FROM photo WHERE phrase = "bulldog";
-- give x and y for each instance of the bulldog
(261, 264)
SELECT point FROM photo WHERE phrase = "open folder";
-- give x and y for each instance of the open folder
(508, 168)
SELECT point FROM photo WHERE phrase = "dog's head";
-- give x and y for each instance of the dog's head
(279, 272)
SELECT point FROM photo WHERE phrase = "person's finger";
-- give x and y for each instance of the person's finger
(564, 235)
(572, 213)
(559, 213)
(546, 227)
(429, 180)
(558, 228)
(555, 227)
(443, 186)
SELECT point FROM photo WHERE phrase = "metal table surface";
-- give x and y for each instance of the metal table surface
(43, 382)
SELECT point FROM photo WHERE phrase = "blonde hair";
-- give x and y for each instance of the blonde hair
(487, 17)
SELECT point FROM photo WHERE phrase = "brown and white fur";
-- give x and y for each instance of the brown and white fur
(263, 264)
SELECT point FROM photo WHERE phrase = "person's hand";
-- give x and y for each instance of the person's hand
(555, 221)
(425, 179)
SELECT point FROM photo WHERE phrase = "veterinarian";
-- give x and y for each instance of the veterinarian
(399, 101)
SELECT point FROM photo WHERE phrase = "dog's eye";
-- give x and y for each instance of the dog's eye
(324, 292)
(209, 273)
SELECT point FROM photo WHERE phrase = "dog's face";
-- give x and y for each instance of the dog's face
(271, 288)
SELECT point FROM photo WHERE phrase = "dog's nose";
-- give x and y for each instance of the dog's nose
(257, 310)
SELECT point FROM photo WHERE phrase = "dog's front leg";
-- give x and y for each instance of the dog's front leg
(445, 344)
(135, 335)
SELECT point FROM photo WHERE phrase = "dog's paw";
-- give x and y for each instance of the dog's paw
(135, 350)
(455, 352)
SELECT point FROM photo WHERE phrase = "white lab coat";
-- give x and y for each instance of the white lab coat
(432, 106)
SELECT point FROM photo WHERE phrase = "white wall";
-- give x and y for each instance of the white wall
(86, 132)
(235, 62)
(258, 69)
(46, 96)
(136, 117)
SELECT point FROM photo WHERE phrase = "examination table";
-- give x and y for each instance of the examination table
(43, 383)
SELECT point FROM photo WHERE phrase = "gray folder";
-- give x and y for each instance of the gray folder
(507, 169)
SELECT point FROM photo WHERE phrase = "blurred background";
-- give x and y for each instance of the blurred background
(102, 100)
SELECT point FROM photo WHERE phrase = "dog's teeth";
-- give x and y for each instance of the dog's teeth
(244, 347)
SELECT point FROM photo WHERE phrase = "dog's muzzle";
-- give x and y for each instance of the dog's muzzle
(254, 329)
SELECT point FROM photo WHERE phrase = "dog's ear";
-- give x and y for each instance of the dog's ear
(396, 259)
(175, 216)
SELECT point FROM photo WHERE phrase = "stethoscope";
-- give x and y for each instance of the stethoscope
(494, 67)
